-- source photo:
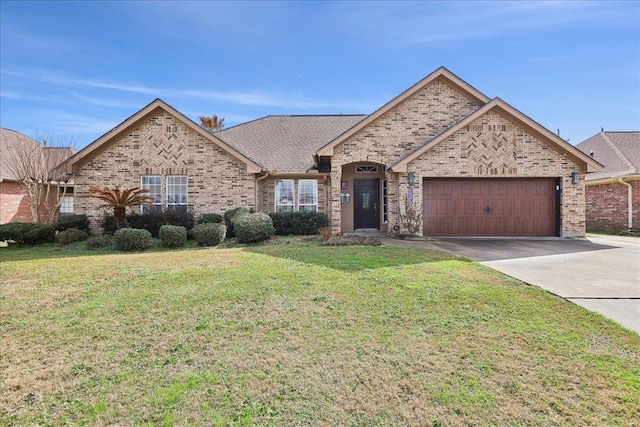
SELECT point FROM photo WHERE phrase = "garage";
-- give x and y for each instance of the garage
(491, 207)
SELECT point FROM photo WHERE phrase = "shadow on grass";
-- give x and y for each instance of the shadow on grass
(352, 258)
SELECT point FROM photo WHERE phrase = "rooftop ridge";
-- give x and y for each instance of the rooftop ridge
(620, 154)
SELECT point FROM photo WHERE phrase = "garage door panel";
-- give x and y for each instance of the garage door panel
(489, 207)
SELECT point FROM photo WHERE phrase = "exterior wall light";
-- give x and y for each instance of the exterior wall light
(411, 176)
(575, 178)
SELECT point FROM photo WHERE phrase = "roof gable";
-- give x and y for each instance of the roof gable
(113, 135)
(498, 105)
(441, 72)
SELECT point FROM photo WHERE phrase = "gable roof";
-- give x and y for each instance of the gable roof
(104, 141)
(507, 110)
(619, 152)
(285, 144)
(441, 72)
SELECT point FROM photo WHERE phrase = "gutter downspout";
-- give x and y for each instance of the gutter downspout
(260, 178)
(629, 203)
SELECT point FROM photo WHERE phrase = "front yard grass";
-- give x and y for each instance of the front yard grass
(300, 334)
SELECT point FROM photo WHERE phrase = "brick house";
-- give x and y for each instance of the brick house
(613, 194)
(473, 166)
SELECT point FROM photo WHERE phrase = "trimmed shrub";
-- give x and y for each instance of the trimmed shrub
(108, 224)
(98, 242)
(230, 215)
(173, 236)
(28, 233)
(152, 221)
(80, 222)
(132, 239)
(299, 223)
(71, 235)
(208, 234)
(210, 218)
(253, 228)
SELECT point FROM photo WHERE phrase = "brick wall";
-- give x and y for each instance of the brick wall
(607, 209)
(15, 203)
(164, 145)
(425, 114)
(492, 147)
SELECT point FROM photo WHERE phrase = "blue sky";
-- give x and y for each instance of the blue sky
(77, 69)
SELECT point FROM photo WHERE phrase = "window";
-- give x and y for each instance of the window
(66, 208)
(177, 189)
(284, 195)
(308, 195)
(385, 203)
(366, 169)
(152, 183)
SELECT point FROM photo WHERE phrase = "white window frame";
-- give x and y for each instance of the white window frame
(66, 207)
(385, 202)
(366, 169)
(284, 202)
(156, 204)
(177, 185)
(305, 205)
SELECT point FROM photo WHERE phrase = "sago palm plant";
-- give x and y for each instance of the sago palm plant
(119, 200)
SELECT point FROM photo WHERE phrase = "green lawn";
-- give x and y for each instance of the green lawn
(300, 334)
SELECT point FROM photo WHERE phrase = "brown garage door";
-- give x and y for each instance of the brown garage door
(490, 207)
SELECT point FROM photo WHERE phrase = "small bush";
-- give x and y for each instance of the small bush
(230, 215)
(108, 224)
(209, 234)
(28, 233)
(152, 221)
(71, 235)
(299, 223)
(173, 236)
(80, 222)
(325, 232)
(210, 218)
(98, 242)
(253, 228)
(132, 239)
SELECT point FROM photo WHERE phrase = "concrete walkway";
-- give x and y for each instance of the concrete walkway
(600, 273)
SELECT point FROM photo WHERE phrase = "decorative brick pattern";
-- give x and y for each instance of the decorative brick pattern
(419, 118)
(607, 206)
(492, 147)
(163, 145)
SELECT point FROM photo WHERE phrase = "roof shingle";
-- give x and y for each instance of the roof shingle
(286, 144)
(619, 152)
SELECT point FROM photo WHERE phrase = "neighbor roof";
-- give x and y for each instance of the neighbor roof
(619, 152)
(9, 139)
(286, 144)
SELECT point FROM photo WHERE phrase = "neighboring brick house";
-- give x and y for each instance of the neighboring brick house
(15, 205)
(613, 194)
(474, 166)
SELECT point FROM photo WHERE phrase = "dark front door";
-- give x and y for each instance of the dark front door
(366, 203)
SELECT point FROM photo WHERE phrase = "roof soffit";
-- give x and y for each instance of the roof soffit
(106, 140)
(441, 72)
(548, 137)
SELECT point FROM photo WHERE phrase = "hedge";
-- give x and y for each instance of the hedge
(208, 234)
(299, 223)
(132, 239)
(253, 228)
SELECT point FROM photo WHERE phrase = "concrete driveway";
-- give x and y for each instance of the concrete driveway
(600, 273)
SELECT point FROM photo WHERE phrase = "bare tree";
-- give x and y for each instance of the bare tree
(35, 166)
(211, 124)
